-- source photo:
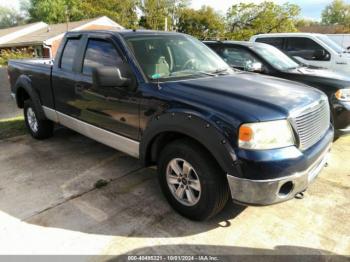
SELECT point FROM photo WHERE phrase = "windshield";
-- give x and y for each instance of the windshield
(174, 56)
(330, 43)
(275, 57)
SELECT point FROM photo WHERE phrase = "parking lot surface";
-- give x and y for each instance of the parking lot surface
(7, 106)
(49, 204)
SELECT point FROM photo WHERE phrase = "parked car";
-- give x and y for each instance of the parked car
(170, 101)
(268, 60)
(310, 49)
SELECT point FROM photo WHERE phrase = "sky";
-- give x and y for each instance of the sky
(310, 9)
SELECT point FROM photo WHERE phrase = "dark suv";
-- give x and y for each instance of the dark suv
(268, 60)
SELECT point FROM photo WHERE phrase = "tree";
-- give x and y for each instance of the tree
(304, 23)
(58, 11)
(55, 11)
(121, 11)
(246, 19)
(154, 13)
(338, 12)
(203, 23)
(10, 17)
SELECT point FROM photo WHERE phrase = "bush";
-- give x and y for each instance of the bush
(6, 55)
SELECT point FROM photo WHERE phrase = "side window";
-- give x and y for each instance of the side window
(274, 41)
(69, 54)
(306, 48)
(100, 53)
(237, 57)
(301, 43)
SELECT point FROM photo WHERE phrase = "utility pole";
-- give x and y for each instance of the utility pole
(67, 18)
(173, 17)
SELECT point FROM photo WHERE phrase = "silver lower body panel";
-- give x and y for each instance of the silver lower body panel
(121, 143)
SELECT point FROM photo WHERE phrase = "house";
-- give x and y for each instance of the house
(45, 39)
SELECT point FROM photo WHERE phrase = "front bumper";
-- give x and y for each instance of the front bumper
(271, 191)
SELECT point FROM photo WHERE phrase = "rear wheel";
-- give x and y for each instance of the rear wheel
(192, 181)
(39, 129)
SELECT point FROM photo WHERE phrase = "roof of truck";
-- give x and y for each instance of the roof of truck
(241, 43)
(126, 32)
(285, 35)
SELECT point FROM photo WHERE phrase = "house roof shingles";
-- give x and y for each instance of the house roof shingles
(41, 35)
(6, 31)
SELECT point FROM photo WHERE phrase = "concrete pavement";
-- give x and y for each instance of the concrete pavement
(49, 205)
(8, 108)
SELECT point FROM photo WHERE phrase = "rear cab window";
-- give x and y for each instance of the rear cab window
(274, 41)
(68, 54)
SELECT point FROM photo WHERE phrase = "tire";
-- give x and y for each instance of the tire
(337, 135)
(213, 192)
(39, 129)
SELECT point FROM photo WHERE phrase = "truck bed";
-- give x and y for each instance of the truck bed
(38, 71)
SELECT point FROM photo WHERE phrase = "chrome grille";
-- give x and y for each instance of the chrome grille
(311, 124)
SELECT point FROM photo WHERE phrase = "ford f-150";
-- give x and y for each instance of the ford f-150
(171, 101)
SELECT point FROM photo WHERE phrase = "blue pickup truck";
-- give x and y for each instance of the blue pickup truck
(170, 101)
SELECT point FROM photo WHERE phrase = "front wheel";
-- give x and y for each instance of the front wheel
(193, 183)
(39, 129)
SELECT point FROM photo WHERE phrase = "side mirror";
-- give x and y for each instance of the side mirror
(110, 77)
(254, 67)
(320, 54)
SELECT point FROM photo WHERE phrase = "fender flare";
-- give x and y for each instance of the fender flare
(25, 83)
(195, 127)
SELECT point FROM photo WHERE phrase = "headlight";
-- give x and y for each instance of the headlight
(266, 135)
(343, 94)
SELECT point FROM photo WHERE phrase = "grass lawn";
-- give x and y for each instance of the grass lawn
(11, 127)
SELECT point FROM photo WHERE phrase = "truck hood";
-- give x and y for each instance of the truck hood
(248, 97)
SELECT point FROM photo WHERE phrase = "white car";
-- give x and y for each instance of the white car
(310, 49)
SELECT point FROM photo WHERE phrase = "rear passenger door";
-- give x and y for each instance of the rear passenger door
(64, 77)
(114, 108)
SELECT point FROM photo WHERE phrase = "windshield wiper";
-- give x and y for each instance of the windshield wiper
(191, 72)
(219, 71)
(206, 73)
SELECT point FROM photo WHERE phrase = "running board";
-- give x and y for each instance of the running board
(121, 143)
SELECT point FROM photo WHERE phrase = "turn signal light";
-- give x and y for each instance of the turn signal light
(245, 133)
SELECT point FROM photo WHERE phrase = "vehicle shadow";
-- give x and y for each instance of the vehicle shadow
(233, 253)
(52, 183)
